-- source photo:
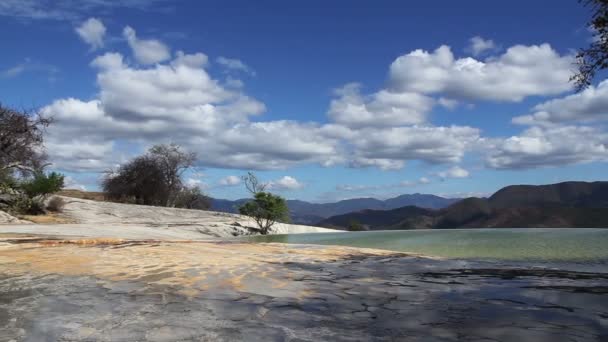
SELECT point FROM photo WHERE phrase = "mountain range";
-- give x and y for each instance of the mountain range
(567, 204)
(303, 212)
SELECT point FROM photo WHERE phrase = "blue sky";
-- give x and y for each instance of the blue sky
(324, 99)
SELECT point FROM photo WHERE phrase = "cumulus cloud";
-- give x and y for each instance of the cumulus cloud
(520, 72)
(235, 65)
(148, 51)
(383, 108)
(453, 172)
(479, 45)
(590, 105)
(552, 146)
(164, 99)
(92, 32)
(179, 101)
(285, 183)
(433, 144)
(230, 181)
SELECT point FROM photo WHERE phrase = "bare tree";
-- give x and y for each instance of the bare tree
(21, 138)
(154, 178)
(595, 57)
(173, 163)
(252, 184)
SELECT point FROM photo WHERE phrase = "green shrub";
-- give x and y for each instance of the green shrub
(266, 209)
(30, 193)
(27, 206)
(42, 185)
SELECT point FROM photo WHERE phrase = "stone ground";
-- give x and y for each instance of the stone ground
(98, 219)
(127, 290)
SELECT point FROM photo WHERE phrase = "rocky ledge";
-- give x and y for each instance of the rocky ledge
(147, 290)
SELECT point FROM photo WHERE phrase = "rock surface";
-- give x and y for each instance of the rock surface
(147, 222)
(114, 290)
(6, 218)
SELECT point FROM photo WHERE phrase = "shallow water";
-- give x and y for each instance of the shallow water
(578, 245)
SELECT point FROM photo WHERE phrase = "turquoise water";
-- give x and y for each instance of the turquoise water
(537, 244)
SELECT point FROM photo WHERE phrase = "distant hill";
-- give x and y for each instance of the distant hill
(571, 194)
(567, 204)
(380, 219)
(303, 212)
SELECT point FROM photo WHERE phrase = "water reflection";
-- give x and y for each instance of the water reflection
(541, 244)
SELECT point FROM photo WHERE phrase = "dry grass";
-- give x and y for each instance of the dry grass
(47, 219)
(88, 195)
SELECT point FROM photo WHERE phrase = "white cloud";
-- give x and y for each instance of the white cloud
(427, 143)
(360, 187)
(552, 146)
(453, 172)
(385, 164)
(479, 45)
(179, 101)
(67, 9)
(92, 32)
(195, 182)
(590, 105)
(450, 104)
(14, 71)
(285, 183)
(520, 72)
(71, 183)
(230, 181)
(383, 108)
(350, 187)
(235, 64)
(29, 65)
(148, 51)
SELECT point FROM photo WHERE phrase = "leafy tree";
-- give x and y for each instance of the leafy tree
(265, 209)
(140, 181)
(595, 57)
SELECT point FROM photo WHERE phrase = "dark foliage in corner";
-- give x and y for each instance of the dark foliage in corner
(595, 57)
